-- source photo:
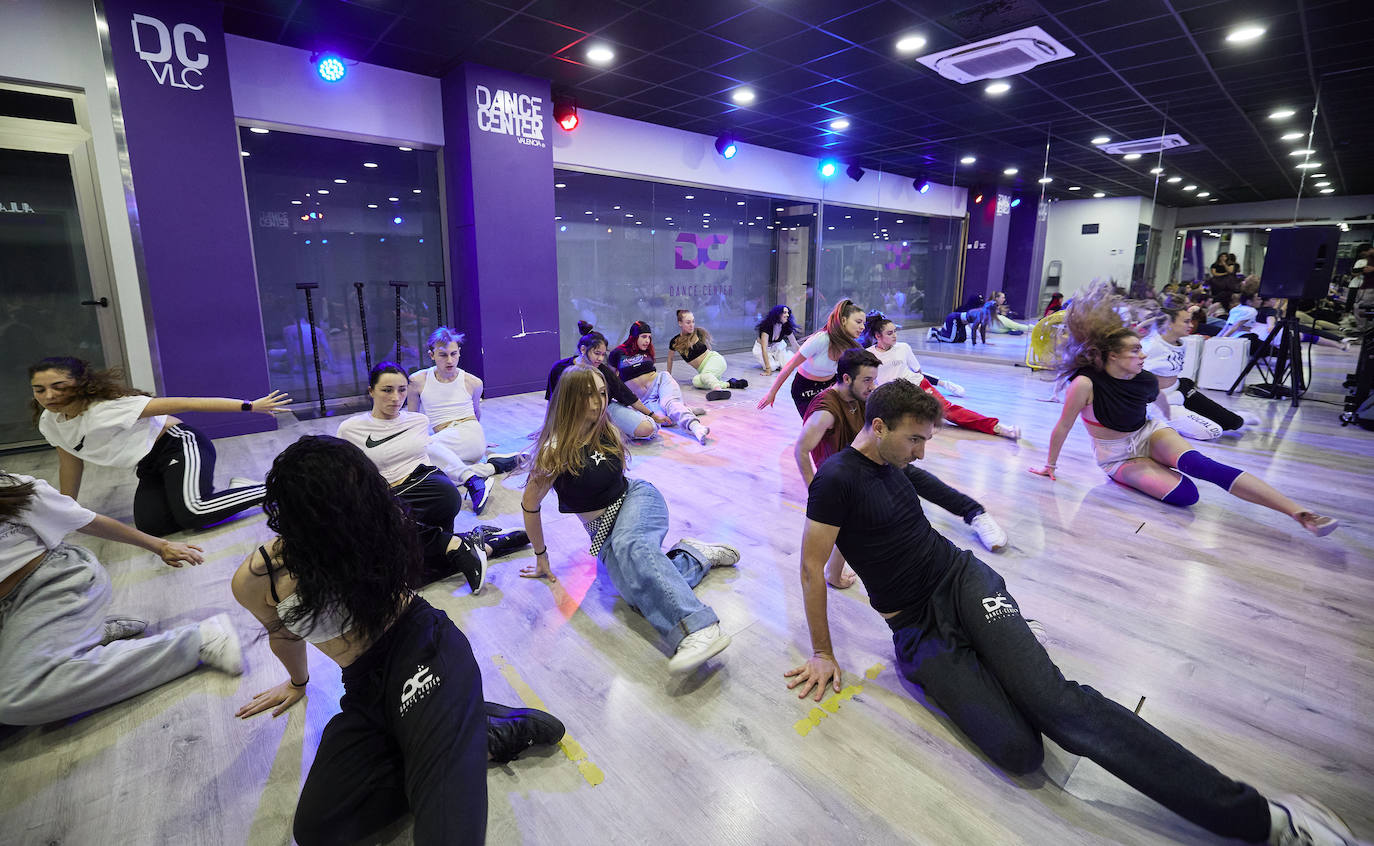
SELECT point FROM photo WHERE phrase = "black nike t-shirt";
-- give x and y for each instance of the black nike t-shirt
(884, 534)
(397, 446)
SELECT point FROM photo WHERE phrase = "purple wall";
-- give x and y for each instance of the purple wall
(987, 242)
(1022, 269)
(183, 150)
(498, 157)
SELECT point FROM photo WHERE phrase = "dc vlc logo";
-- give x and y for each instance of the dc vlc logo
(996, 603)
(156, 45)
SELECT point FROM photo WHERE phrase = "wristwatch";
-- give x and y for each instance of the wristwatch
(245, 406)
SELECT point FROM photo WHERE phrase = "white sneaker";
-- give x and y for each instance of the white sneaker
(989, 532)
(1307, 822)
(1013, 432)
(700, 412)
(1250, 419)
(950, 388)
(242, 482)
(122, 628)
(699, 431)
(696, 648)
(714, 554)
(219, 645)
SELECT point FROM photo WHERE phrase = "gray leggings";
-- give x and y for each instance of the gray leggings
(52, 665)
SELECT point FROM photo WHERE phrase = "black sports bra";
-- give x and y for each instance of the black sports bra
(1120, 403)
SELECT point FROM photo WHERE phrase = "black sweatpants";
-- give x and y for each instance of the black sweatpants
(974, 656)
(1197, 401)
(176, 485)
(804, 390)
(434, 502)
(411, 735)
(930, 488)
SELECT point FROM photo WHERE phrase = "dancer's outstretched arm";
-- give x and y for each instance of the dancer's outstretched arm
(821, 670)
(1080, 393)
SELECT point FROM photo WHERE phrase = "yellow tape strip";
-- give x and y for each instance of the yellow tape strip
(590, 771)
(829, 706)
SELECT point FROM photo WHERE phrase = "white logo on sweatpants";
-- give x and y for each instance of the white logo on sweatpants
(999, 606)
(417, 686)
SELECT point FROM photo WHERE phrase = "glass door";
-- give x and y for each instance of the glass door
(55, 291)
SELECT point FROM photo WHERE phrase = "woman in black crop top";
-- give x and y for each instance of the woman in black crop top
(633, 362)
(581, 457)
(694, 345)
(1109, 388)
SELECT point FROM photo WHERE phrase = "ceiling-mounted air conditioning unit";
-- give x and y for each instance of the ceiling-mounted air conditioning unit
(1145, 145)
(993, 58)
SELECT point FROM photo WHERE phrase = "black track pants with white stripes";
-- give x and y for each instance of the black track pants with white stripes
(176, 486)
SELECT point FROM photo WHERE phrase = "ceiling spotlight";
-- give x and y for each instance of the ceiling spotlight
(372, 205)
(1189, 187)
(1045, 180)
(922, 186)
(369, 164)
(1011, 171)
(1328, 190)
(968, 160)
(341, 182)
(321, 190)
(1322, 184)
(329, 66)
(1302, 152)
(1101, 139)
(405, 149)
(1204, 193)
(854, 172)
(978, 199)
(1130, 157)
(1016, 202)
(828, 168)
(1290, 136)
(910, 43)
(295, 202)
(1174, 180)
(1075, 188)
(257, 130)
(743, 96)
(839, 125)
(244, 153)
(1316, 175)
(1098, 195)
(1306, 165)
(600, 54)
(726, 147)
(1280, 114)
(565, 112)
(1244, 34)
(998, 87)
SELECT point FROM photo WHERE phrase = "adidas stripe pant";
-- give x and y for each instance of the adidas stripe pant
(176, 486)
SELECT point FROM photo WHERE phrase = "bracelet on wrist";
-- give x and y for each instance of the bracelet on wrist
(541, 552)
(302, 684)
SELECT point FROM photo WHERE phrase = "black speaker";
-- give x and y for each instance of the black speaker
(1299, 262)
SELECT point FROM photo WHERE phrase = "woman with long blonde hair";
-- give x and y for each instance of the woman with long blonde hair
(1103, 363)
(694, 344)
(819, 355)
(579, 454)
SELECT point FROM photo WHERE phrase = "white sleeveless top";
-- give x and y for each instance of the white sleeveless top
(445, 401)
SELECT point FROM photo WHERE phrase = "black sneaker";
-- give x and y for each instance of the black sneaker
(477, 491)
(738, 383)
(500, 541)
(712, 396)
(504, 462)
(511, 731)
(470, 560)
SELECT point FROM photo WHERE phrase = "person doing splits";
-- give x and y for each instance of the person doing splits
(90, 416)
(776, 331)
(816, 358)
(579, 455)
(60, 655)
(657, 390)
(1109, 388)
(412, 733)
(694, 345)
(959, 634)
(397, 442)
(450, 398)
(628, 414)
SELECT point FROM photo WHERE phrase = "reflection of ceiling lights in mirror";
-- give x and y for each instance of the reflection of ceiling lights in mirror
(1174, 180)
(1302, 152)
(1204, 193)
(1189, 187)
(369, 164)
(968, 160)
(1244, 34)
(404, 149)
(1280, 114)
(1306, 165)
(1156, 170)
(1075, 188)
(341, 182)
(1322, 184)
(1290, 136)
(1045, 180)
(1328, 190)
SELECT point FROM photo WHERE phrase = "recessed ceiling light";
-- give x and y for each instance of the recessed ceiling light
(1290, 136)
(414, 190)
(910, 43)
(372, 205)
(1302, 152)
(1317, 175)
(1189, 187)
(369, 164)
(739, 202)
(560, 185)
(689, 196)
(600, 54)
(295, 202)
(1280, 114)
(1045, 180)
(404, 149)
(1174, 179)
(1130, 157)
(1156, 170)
(1306, 165)
(1099, 195)
(1011, 171)
(839, 125)
(742, 96)
(1101, 139)
(1213, 200)
(257, 129)
(1204, 193)
(998, 87)
(393, 199)
(1323, 184)
(968, 160)
(341, 182)
(321, 190)
(1328, 190)
(1075, 188)
(1244, 34)
(244, 153)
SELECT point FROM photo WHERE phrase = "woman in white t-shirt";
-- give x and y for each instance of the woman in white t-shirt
(397, 442)
(59, 654)
(815, 362)
(1194, 414)
(91, 416)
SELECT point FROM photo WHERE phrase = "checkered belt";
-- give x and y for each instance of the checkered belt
(600, 528)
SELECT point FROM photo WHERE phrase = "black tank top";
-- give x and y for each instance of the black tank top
(600, 483)
(694, 351)
(1120, 403)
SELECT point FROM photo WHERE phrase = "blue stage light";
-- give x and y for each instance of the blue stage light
(726, 146)
(1016, 202)
(330, 67)
(925, 186)
(828, 168)
(398, 220)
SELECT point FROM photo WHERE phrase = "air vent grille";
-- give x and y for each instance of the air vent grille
(992, 58)
(1145, 145)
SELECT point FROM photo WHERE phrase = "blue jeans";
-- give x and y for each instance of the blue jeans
(627, 420)
(658, 585)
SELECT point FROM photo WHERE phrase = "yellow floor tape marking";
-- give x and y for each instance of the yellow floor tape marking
(831, 704)
(590, 771)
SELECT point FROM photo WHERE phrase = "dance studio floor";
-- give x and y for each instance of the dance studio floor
(1251, 642)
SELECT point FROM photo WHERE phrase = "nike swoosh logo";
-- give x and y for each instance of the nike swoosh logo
(371, 443)
(79, 444)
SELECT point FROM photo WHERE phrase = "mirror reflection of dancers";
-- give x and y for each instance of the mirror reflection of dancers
(60, 655)
(580, 456)
(90, 416)
(694, 345)
(1103, 361)
(397, 442)
(899, 362)
(628, 414)
(657, 389)
(413, 732)
(775, 332)
(816, 358)
(966, 324)
(1194, 414)
(1002, 324)
(960, 635)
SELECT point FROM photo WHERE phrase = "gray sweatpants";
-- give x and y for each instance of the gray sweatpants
(51, 663)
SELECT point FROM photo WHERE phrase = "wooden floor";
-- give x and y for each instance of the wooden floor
(1251, 641)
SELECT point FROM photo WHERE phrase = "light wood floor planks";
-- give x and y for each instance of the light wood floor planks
(1252, 642)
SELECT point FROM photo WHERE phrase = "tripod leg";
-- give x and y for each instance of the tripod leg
(1255, 359)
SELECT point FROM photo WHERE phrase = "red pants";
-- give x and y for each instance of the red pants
(960, 416)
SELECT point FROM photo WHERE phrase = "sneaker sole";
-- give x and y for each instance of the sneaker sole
(481, 572)
(1314, 808)
(686, 666)
(552, 726)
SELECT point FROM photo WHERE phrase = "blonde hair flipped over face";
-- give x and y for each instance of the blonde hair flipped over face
(561, 445)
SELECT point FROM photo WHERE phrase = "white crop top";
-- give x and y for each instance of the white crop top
(445, 401)
(109, 433)
(818, 362)
(899, 362)
(327, 624)
(40, 528)
(396, 446)
(1163, 358)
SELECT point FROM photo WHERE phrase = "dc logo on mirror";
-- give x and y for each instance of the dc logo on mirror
(156, 45)
(690, 259)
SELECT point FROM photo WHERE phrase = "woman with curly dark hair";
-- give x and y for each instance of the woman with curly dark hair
(818, 356)
(413, 732)
(776, 331)
(92, 416)
(1103, 362)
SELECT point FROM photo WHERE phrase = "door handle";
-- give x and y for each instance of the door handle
(103, 302)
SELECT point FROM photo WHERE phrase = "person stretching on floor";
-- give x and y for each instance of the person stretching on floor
(776, 331)
(631, 416)
(413, 732)
(1109, 388)
(815, 359)
(1194, 414)
(581, 457)
(657, 390)
(1001, 323)
(694, 345)
(60, 655)
(959, 634)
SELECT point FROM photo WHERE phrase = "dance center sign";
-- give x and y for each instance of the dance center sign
(511, 113)
(157, 45)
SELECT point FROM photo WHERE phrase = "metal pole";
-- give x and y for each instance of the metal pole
(438, 302)
(307, 287)
(362, 321)
(398, 286)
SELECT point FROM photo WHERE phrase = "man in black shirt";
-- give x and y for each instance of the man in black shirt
(960, 636)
